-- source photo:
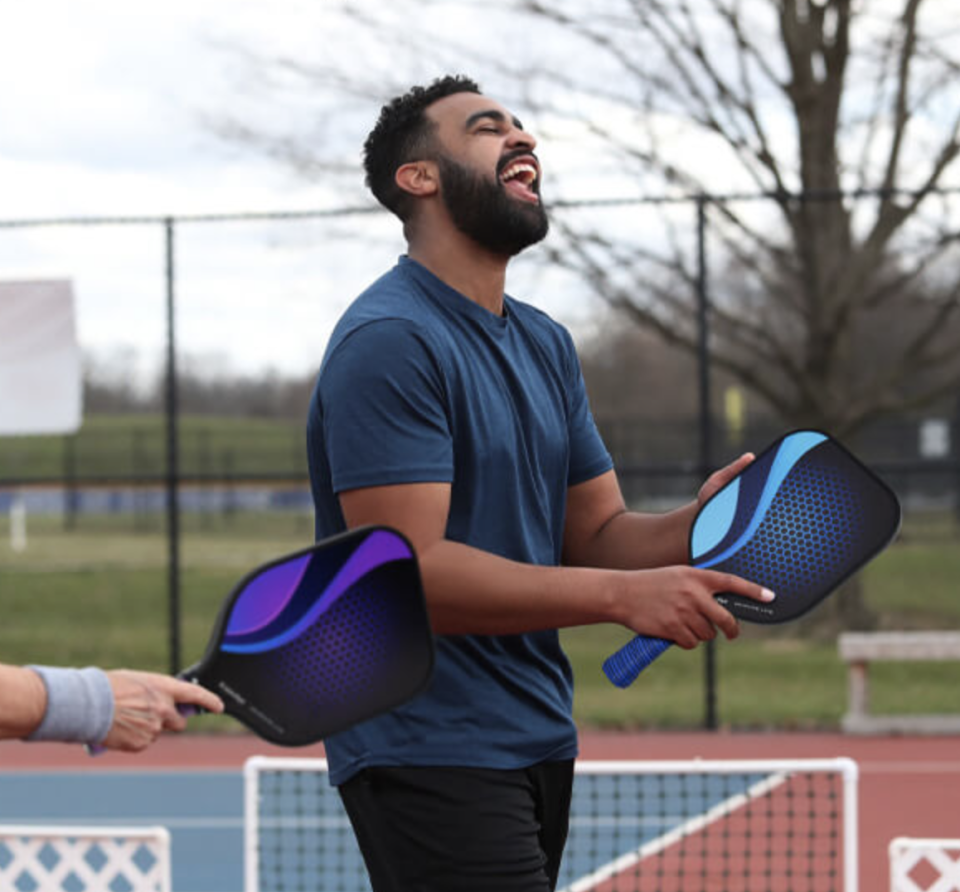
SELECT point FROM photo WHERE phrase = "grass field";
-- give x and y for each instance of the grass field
(134, 445)
(99, 595)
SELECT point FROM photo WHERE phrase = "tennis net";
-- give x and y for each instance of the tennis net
(657, 826)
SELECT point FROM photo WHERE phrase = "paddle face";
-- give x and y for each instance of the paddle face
(800, 519)
(320, 640)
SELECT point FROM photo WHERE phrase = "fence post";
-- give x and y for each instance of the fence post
(955, 459)
(705, 439)
(70, 490)
(173, 464)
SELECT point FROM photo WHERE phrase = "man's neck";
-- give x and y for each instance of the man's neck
(457, 261)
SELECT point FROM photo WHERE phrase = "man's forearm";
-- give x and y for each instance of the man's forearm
(470, 591)
(23, 701)
(634, 541)
(55, 703)
(473, 592)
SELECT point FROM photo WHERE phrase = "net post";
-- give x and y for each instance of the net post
(851, 822)
(251, 805)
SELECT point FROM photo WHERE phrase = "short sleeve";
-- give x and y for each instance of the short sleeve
(589, 457)
(383, 407)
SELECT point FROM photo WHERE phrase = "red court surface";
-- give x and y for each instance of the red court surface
(909, 786)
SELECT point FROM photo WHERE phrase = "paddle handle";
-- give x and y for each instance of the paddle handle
(623, 667)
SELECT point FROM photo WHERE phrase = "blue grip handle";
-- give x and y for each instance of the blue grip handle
(623, 667)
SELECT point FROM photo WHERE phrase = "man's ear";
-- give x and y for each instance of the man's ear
(418, 178)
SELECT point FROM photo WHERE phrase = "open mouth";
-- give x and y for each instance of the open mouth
(521, 178)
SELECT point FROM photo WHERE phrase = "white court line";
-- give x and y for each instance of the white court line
(909, 767)
(147, 771)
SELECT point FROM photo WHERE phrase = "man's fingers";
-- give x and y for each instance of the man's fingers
(173, 720)
(195, 695)
(182, 691)
(735, 467)
(721, 478)
(147, 703)
(726, 622)
(737, 585)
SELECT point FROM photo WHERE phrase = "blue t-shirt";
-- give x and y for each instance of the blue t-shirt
(420, 384)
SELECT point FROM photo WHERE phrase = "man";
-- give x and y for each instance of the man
(457, 414)
(120, 710)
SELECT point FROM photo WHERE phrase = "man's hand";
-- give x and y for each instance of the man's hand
(717, 480)
(145, 704)
(677, 603)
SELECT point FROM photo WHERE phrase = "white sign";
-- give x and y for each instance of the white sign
(935, 438)
(41, 381)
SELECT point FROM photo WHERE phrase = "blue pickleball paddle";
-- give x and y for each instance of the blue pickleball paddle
(803, 517)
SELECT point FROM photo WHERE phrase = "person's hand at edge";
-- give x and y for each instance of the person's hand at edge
(145, 705)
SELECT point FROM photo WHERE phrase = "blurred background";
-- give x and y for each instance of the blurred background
(755, 215)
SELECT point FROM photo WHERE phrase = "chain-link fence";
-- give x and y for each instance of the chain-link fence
(252, 292)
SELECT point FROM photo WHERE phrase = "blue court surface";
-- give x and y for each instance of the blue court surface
(203, 810)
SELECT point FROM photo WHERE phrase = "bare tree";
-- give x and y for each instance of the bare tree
(820, 138)
(874, 108)
(843, 116)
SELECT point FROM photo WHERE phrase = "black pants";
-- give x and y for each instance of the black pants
(459, 829)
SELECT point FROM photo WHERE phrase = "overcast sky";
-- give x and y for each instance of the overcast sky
(102, 114)
(97, 103)
(101, 107)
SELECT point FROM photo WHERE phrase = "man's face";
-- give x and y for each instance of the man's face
(489, 175)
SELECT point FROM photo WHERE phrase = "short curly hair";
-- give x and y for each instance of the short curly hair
(402, 134)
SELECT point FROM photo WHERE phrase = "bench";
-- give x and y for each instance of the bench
(859, 649)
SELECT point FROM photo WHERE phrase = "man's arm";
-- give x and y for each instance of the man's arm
(601, 532)
(120, 709)
(470, 591)
(23, 701)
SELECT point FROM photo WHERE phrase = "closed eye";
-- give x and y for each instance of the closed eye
(490, 121)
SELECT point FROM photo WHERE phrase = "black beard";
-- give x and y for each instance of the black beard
(483, 210)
